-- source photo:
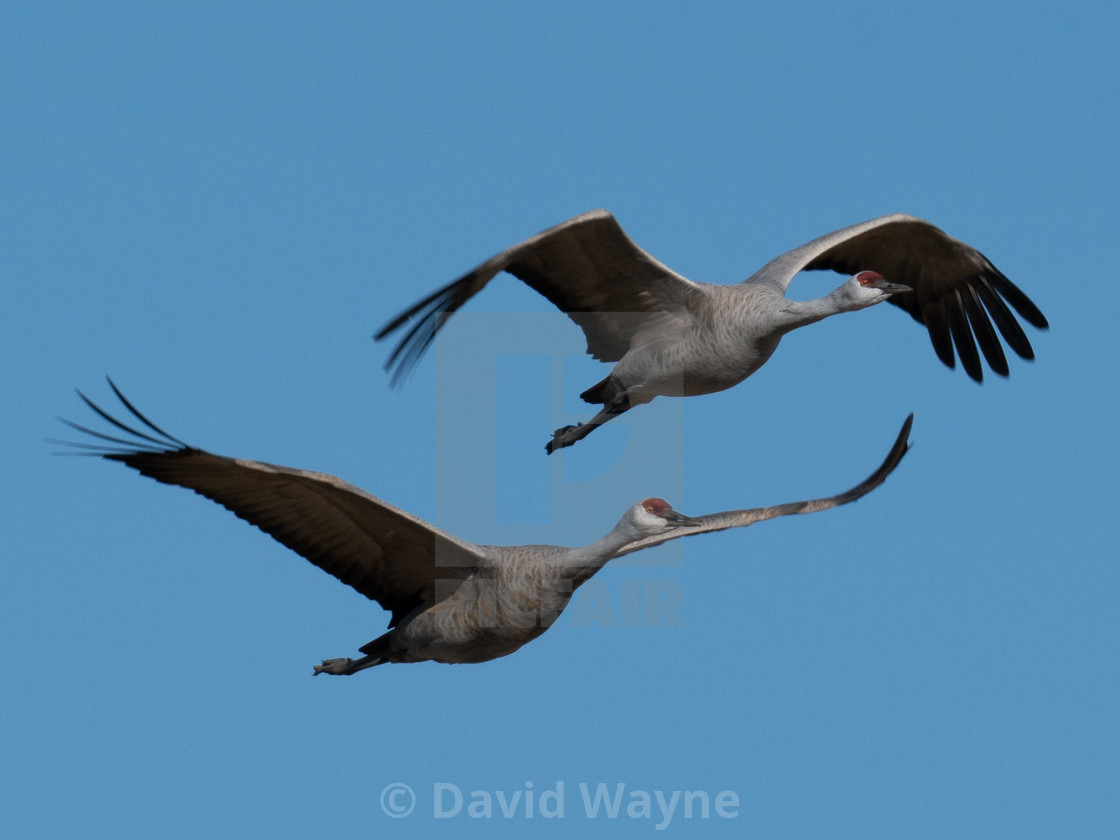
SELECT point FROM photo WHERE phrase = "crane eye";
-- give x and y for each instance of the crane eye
(865, 277)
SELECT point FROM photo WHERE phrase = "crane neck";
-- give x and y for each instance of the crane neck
(582, 562)
(800, 313)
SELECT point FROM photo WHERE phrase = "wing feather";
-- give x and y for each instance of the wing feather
(948, 278)
(743, 518)
(383, 552)
(982, 328)
(587, 267)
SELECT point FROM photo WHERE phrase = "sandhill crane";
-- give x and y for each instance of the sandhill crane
(673, 337)
(451, 600)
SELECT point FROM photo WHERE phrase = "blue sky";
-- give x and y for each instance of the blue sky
(218, 204)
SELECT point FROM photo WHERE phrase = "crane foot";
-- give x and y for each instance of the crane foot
(334, 666)
(565, 436)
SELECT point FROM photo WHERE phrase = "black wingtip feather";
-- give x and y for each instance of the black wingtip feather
(121, 448)
(431, 313)
(1016, 297)
(136, 413)
(962, 338)
(933, 316)
(969, 314)
(898, 451)
(1004, 320)
(985, 333)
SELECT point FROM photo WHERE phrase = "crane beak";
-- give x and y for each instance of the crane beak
(678, 519)
(885, 285)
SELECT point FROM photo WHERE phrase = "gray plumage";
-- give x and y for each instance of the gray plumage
(671, 336)
(451, 600)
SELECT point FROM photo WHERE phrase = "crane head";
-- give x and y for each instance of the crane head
(867, 288)
(656, 514)
(875, 280)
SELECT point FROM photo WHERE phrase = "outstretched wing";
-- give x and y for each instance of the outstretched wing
(743, 518)
(958, 294)
(587, 267)
(383, 552)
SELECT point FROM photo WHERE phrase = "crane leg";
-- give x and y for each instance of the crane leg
(346, 666)
(568, 435)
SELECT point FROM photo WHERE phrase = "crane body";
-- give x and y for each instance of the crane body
(450, 600)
